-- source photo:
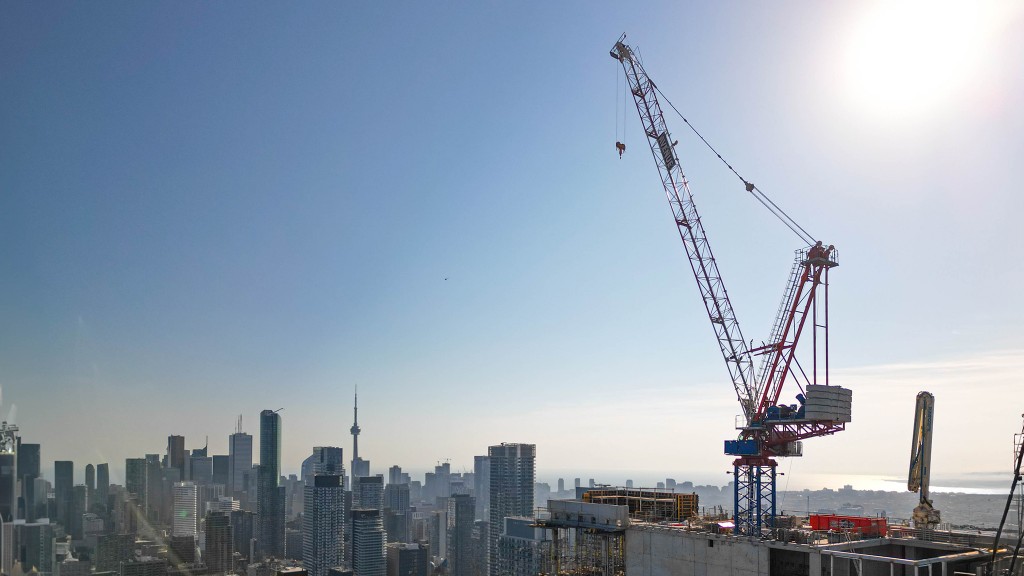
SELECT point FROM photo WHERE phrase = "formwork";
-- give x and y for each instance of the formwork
(647, 505)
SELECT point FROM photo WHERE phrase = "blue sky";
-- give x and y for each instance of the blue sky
(212, 209)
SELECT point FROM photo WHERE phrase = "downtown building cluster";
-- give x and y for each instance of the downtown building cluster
(189, 512)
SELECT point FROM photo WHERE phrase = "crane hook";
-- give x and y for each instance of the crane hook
(620, 147)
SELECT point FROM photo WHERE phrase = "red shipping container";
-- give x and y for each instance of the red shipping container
(860, 524)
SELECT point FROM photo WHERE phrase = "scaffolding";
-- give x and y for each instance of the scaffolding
(588, 539)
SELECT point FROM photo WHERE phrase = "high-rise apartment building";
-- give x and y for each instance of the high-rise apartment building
(185, 502)
(63, 484)
(513, 472)
(368, 492)
(176, 454)
(239, 460)
(482, 486)
(270, 497)
(521, 547)
(323, 520)
(243, 531)
(368, 543)
(324, 460)
(460, 518)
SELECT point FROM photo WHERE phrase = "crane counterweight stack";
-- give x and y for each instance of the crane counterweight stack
(768, 429)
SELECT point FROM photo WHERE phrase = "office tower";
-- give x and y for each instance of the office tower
(323, 519)
(8, 485)
(220, 470)
(561, 484)
(368, 543)
(79, 505)
(220, 546)
(443, 476)
(269, 492)
(324, 460)
(395, 475)
(511, 490)
(90, 481)
(102, 485)
(184, 509)
(397, 512)
(461, 515)
(408, 559)
(28, 463)
(521, 547)
(201, 470)
(159, 489)
(239, 460)
(176, 454)
(63, 483)
(136, 481)
(40, 499)
(243, 532)
(482, 486)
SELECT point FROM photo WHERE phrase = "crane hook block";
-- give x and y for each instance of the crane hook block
(620, 147)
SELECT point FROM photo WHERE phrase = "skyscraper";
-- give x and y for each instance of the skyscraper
(323, 519)
(220, 470)
(368, 492)
(269, 492)
(28, 470)
(482, 486)
(368, 543)
(461, 515)
(324, 460)
(63, 483)
(239, 459)
(511, 490)
(408, 560)
(176, 454)
(397, 512)
(79, 505)
(102, 485)
(220, 547)
(90, 482)
(184, 509)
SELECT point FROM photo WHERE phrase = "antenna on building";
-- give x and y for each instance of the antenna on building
(238, 430)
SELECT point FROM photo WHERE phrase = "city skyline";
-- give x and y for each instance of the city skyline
(267, 212)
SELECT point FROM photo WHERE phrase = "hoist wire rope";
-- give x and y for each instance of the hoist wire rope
(759, 195)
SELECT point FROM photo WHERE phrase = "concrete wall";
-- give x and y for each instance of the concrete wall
(662, 551)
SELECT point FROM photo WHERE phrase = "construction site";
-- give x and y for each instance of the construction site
(608, 531)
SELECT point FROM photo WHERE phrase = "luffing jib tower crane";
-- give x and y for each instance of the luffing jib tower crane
(768, 429)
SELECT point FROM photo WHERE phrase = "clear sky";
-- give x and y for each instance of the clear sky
(208, 209)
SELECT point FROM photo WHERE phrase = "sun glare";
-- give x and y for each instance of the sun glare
(910, 58)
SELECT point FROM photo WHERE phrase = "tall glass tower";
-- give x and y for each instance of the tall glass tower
(269, 492)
